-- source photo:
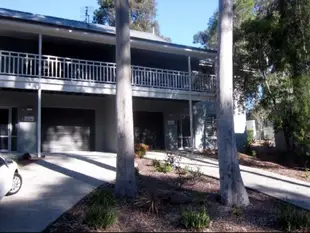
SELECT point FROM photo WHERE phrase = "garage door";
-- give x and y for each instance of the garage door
(67, 129)
(149, 129)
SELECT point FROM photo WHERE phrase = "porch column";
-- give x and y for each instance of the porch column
(190, 103)
(39, 99)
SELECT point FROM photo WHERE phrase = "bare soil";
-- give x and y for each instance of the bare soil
(260, 215)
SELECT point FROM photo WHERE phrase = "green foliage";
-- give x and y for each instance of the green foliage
(164, 167)
(293, 219)
(142, 15)
(196, 174)
(195, 219)
(253, 153)
(101, 212)
(250, 137)
(271, 63)
(236, 211)
(98, 216)
(155, 163)
(103, 197)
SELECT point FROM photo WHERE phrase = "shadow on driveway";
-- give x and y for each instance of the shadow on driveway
(51, 187)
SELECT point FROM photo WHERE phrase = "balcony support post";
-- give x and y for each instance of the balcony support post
(190, 104)
(39, 99)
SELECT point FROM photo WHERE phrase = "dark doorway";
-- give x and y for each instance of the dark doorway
(149, 129)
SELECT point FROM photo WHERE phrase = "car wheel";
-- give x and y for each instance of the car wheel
(16, 184)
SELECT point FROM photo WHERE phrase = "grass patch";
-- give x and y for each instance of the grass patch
(293, 219)
(194, 219)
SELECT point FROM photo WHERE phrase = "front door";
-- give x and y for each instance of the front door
(184, 135)
(4, 129)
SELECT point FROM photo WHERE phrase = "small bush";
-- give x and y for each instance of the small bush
(155, 163)
(250, 136)
(196, 174)
(195, 219)
(293, 219)
(141, 149)
(236, 211)
(103, 197)
(101, 212)
(182, 171)
(253, 153)
(164, 167)
(99, 216)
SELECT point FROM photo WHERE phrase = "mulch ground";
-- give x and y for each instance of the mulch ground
(260, 215)
(256, 162)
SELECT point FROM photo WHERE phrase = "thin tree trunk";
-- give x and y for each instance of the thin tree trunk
(232, 190)
(125, 172)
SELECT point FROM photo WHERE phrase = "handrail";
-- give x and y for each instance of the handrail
(64, 68)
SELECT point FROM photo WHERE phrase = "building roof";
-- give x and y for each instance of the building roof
(94, 28)
(37, 18)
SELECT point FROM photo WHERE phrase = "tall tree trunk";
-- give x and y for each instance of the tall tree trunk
(232, 190)
(125, 172)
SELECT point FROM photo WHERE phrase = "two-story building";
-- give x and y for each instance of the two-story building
(57, 87)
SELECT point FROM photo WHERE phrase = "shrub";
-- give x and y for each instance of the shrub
(101, 212)
(192, 219)
(250, 136)
(155, 163)
(253, 153)
(164, 167)
(293, 219)
(103, 197)
(196, 174)
(141, 149)
(236, 211)
(99, 216)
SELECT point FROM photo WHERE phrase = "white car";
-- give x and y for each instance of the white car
(10, 179)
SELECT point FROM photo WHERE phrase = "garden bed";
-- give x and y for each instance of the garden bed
(169, 199)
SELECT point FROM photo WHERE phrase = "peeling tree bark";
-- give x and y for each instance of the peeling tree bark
(232, 190)
(125, 172)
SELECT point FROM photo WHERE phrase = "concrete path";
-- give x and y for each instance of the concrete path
(287, 189)
(51, 187)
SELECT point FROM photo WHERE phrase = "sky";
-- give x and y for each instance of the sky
(178, 19)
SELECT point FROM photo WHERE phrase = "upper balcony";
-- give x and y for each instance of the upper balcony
(21, 70)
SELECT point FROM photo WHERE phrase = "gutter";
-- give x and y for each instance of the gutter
(100, 37)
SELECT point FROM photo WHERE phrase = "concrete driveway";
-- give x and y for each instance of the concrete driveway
(52, 186)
